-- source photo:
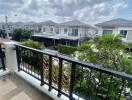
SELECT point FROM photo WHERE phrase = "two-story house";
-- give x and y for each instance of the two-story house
(30, 26)
(67, 33)
(48, 27)
(118, 26)
(76, 28)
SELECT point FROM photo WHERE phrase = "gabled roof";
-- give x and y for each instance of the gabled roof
(119, 22)
(49, 22)
(76, 23)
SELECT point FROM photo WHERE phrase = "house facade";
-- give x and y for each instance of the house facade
(118, 26)
(67, 33)
(48, 27)
(76, 28)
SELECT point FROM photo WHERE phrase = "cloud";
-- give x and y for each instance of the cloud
(61, 10)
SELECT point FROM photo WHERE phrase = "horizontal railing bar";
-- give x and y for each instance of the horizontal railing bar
(86, 65)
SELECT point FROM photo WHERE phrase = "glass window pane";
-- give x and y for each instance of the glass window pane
(107, 31)
(51, 29)
(65, 30)
(44, 29)
(74, 32)
(123, 33)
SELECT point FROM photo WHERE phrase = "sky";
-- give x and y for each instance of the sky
(88, 11)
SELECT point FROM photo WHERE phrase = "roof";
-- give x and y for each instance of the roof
(49, 22)
(55, 36)
(76, 23)
(49, 36)
(119, 22)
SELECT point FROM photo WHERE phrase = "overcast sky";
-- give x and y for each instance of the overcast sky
(88, 11)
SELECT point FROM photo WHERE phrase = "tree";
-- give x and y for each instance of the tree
(106, 51)
(2, 33)
(21, 34)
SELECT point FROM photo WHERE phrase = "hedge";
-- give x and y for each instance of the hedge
(68, 50)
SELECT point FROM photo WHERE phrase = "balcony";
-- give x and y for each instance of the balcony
(12, 87)
(63, 78)
(73, 34)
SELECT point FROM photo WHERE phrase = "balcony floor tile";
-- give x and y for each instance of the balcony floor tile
(12, 87)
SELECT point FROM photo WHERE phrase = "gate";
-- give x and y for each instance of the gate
(2, 58)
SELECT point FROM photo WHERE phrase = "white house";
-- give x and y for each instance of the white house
(118, 26)
(76, 28)
(48, 27)
(68, 33)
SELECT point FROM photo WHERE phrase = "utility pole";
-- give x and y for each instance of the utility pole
(6, 26)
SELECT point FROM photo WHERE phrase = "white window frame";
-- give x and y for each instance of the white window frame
(74, 34)
(123, 35)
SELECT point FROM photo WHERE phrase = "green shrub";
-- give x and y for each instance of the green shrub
(33, 59)
(68, 50)
(32, 44)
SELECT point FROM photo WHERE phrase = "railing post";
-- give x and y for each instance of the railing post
(18, 57)
(50, 72)
(72, 80)
(10, 56)
(41, 70)
(2, 58)
(60, 77)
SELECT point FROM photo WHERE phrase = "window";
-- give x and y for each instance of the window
(74, 32)
(123, 33)
(65, 30)
(96, 32)
(44, 29)
(107, 31)
(57, 31)
(51, 29)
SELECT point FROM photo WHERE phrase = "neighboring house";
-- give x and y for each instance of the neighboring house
(7, 27)
(118, 26)
(31, 26)
(76, 28)
(16, 25)
(48, 27)
(67, 33)
(10, 26)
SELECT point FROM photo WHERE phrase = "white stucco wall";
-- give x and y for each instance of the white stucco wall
(82, 31)
(129, 36)
(47, 29)
(117, 31)
(61, 30)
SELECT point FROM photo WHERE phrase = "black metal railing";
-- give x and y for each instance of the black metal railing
(2, 58)
(72, 78)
